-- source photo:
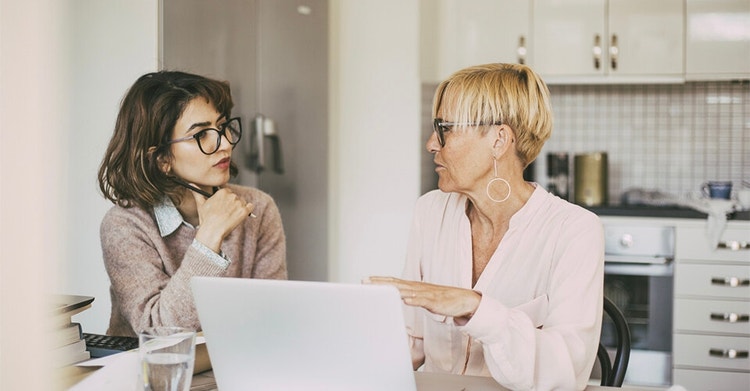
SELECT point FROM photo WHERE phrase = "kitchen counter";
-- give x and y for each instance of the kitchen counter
(661, 211)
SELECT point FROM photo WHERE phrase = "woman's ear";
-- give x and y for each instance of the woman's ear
(161, 161)
(503, 139)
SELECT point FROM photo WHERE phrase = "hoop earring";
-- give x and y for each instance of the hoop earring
(494, 180)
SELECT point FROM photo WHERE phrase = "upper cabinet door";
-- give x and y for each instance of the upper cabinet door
(569, 37)
(460, 33)
(581, 41)
(645, 37)
(717, 39)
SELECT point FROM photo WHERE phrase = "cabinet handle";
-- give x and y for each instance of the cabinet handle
(734, 245)
(730, 281)
(730, 317)
(728, 353)
(613, 52)
(597, 51)
(521, 51)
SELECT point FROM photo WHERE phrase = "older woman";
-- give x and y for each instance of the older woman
(502, 278)
(167, 169)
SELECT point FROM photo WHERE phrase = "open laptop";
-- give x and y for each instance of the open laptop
(296, 335)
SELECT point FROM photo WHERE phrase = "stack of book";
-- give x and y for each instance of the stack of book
(68, 344)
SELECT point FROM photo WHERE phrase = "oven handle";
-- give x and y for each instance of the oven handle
(639, 269)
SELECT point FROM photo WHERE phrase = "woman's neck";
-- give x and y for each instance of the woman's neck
(480, 207)
(188, 208)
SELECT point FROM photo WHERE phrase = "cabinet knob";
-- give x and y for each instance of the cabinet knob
(728, 353)
(730, 281)
(730, 317)
(614, 51)
(734, 245)
(521, 51)
(597, 50)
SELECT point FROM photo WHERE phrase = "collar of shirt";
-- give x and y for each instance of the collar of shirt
(168, 218)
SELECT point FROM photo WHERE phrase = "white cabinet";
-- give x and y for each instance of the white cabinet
(611, 41)
(590, 41)
(712, 309)
(717, 39)
(694, 379)
(461, 33)
(569, 37)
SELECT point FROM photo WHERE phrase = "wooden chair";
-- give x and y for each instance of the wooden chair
(613, 373)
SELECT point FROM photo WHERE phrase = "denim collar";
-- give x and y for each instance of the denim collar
(168, 218)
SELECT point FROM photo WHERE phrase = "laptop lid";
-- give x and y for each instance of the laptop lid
(301, 335)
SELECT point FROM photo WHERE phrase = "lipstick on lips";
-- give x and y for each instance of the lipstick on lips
(223, 163)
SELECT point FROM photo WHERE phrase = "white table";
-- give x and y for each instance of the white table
(425, 382)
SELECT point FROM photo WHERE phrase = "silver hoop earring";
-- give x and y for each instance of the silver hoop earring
(497, 179)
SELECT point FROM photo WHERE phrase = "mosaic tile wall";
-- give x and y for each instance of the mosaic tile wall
(670, 138)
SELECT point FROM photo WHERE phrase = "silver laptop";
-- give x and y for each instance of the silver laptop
(295, 335)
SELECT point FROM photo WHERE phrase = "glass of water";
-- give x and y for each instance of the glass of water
(167, 356)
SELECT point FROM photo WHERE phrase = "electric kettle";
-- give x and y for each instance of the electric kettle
(591, 179)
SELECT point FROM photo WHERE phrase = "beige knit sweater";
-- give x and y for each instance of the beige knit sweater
(150, 274)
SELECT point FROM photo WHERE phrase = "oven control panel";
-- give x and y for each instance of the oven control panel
(639, 243)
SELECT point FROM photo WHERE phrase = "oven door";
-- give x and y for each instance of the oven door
(643, 292)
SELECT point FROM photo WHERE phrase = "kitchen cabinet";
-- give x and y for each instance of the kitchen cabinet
(717, 39)
(461, 33)
(608, 41)
(711, 337)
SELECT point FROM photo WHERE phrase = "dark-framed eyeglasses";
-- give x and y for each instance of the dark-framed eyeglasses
(441, 127)
(209, 139)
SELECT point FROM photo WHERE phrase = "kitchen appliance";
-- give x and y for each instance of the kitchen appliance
(639, 279)
(558, 180)
(591, 179)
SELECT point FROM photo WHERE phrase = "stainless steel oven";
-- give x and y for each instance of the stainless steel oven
(638, 278)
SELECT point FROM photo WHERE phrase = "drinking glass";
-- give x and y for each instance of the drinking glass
(167, 356)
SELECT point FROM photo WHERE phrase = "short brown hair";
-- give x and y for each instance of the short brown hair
(509, 93)
(129, 174)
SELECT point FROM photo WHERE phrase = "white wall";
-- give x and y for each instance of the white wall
(375, 127)
(31, 118)
(111, 43)
(65, 65)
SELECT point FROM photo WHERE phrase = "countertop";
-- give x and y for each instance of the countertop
(661, 211)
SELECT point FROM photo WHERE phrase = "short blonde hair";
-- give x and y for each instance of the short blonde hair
(511, 94)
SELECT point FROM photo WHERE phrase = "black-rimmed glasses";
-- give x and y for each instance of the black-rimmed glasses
(441, 127)
(209, 139)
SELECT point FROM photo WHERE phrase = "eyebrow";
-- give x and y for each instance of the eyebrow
(203, 124)
(198, 125)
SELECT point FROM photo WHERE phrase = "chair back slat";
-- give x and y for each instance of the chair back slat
(614, 374)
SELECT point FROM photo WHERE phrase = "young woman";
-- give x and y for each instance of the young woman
(167, 169)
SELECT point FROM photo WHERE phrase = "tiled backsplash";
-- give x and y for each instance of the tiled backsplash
(670, 138)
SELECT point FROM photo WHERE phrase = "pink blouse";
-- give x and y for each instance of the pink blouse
(539, 320)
